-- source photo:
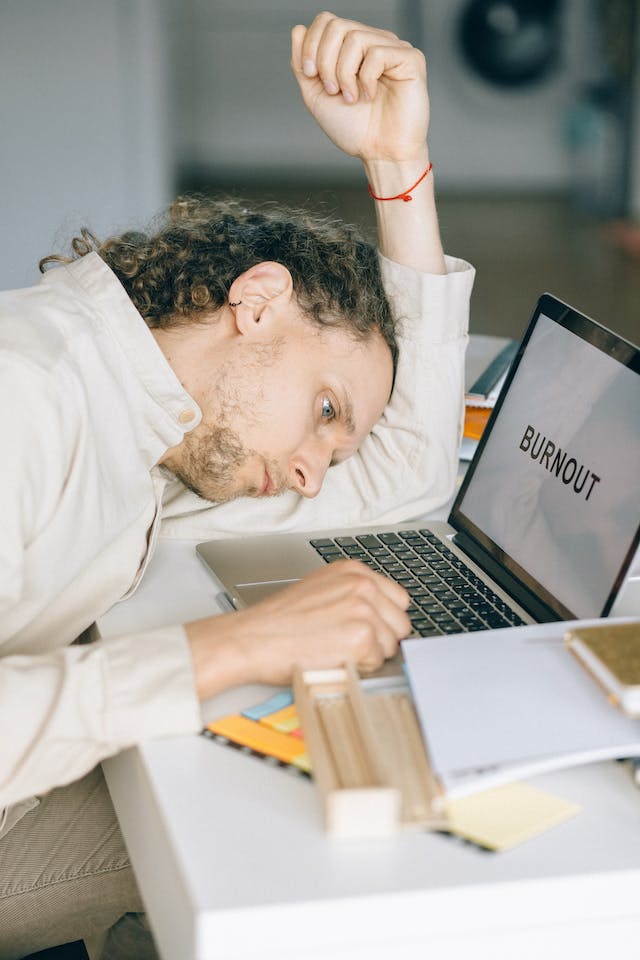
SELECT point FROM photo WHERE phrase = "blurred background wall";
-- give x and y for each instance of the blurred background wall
(84, 127)
(108, 108)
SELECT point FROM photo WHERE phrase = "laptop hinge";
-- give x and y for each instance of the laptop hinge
(539, 610)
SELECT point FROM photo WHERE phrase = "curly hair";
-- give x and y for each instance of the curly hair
(183, 271)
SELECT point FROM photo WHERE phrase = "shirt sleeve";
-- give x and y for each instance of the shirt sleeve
(408, 464)
(63, 712)
(64, 708)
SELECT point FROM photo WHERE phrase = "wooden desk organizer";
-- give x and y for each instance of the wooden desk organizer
(368, 756)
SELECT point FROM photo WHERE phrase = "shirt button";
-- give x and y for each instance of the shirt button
(186, 416)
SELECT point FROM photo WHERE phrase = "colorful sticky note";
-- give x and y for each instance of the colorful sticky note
(277, 702)
(286, 721)
(239, 729)
(505, 816)
(303, 762)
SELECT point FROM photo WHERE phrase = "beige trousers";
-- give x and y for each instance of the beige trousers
(65, 875)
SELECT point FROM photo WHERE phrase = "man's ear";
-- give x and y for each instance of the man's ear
(255, 292)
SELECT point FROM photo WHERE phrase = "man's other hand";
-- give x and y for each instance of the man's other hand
(365, 87)
(343, 612)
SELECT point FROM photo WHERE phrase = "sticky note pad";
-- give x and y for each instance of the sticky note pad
(505, 816)
(256, 736)
(286, 721)
(277, 702)
(303, 762)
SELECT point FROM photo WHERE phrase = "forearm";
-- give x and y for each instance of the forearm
(408, 231)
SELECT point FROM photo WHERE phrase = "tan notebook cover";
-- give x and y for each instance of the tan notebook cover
(611, 653)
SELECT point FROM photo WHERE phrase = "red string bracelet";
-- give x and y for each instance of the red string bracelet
(406, 194)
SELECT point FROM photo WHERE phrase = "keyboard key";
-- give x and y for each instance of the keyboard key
(446, 596)
(380, 552)
(389, 538)
(471, 622)
(424, 626)
(496, 620)
(416, 564)
(368, 541)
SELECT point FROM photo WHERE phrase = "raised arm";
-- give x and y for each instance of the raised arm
(377, 109)
(367, 90)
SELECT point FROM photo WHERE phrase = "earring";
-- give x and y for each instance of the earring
(237, 304)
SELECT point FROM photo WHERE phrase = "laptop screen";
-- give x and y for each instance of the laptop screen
(553, 492)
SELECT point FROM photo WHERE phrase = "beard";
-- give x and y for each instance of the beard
(211, 462)
(213, 456)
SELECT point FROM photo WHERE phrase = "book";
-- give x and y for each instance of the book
(484, 391)
(481, 398)
(611, 654)
(500, 705)
(475, 420)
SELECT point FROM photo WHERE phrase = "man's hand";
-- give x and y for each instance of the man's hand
(365, 88)
(343, 612)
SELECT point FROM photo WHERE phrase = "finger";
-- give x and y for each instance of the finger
(327, 52)
(350, 573)
(392, 623)
(367, 637)
(311, 42)
(297, 42)
(390, 589)
(326, 45)
(398, 622)
(386, 614)
(378, 641)
(352, 57)
(399, 61)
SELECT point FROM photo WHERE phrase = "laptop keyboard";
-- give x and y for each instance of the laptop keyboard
(446, 595)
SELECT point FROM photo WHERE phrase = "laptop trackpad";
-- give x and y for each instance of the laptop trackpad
(251, 593)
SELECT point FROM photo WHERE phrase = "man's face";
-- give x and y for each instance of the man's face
(282, 410)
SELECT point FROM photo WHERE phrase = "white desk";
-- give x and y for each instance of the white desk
(232, 860)
(233, 863)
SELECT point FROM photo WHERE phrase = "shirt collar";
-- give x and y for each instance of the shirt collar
(169, 412)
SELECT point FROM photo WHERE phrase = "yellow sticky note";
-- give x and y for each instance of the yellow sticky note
(285, 720)
(303, 762)
(505, 816)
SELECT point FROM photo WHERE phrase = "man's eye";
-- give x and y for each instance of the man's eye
(328, 412)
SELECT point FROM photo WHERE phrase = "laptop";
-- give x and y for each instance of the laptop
(546, 523)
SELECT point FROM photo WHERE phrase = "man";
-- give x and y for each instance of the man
(145, 376)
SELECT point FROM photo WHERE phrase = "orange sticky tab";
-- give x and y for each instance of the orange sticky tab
(257, 737)
(285, 720)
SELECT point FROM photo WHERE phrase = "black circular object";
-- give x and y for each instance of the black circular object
(511, 43)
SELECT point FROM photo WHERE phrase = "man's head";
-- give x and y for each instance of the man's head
(277, 324)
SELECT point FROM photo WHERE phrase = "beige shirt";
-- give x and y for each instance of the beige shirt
(89, 405)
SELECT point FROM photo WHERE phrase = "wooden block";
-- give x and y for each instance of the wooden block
(369, 761)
